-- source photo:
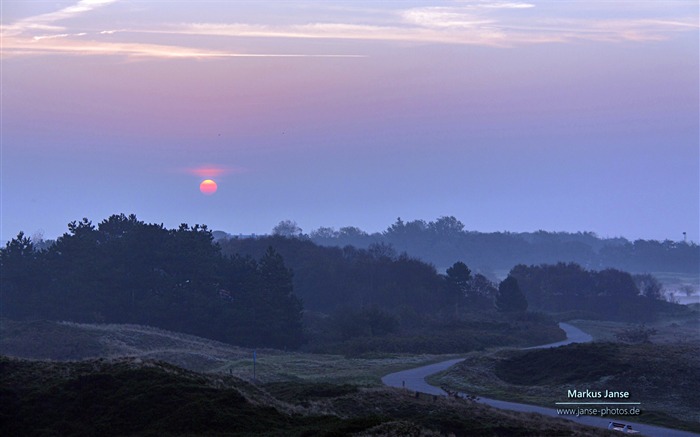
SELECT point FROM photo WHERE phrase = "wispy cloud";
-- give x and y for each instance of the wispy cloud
(605, 30)
(451, 28)
(485, 36)
(45, 21)
(488, 23)
(445, 18)
(41, 34)
(499, 5)
(495, 4)
(19, 40)
(479, 19)
(32, 35)
(475, 22)
(59, 44)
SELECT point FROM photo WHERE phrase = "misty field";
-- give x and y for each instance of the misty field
(44, 340)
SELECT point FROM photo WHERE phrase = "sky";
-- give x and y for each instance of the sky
(509, 115)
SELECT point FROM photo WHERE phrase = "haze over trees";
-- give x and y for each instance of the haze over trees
(366, 300)
(327, 278)
(285, 291)
(607, 294)
(446, 239)
(353, 294)
(243, 292)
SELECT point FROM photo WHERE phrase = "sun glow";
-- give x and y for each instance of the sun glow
(208, 187)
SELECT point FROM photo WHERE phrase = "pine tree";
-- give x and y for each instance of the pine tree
(509, 298)
(279, 311)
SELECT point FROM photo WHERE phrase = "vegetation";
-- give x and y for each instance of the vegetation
(242, 291)
(130, 397)
(45, 340)
(638, 334)
(329, 278)
(509, 298)
(444, 240)
(365, 301)
(446, 337)
(285, 291)
(127, 271)
(671, 328)
(361, 311)
(607, 294)
(665, 378)
(350, 291)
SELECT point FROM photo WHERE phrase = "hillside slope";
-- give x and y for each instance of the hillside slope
(76, 341)
(132, 396)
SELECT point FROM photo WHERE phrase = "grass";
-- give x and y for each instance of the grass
(137, 397)
(76, 341)
(273, 366)
(127, 397)
(665, 378)
(559, 366)
(328, 392)
(669, 329)
(46, 340)
(474, 331)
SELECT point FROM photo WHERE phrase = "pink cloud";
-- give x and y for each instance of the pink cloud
(212, 171)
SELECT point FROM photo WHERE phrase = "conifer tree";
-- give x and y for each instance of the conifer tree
(509, 298)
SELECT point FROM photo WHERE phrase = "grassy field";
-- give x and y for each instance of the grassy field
(664, 376)
(331, 385)
(142, 397)
(668, 330)
(46, 340)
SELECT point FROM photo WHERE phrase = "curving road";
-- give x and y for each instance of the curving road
(414, 379)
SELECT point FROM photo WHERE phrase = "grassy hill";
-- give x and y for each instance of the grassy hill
(61, 341)
(665, 378)
(75, 341)
(133, 396)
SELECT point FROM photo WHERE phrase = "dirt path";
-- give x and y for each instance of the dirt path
(414, 380)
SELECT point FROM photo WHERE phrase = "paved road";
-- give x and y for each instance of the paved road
(414, 380)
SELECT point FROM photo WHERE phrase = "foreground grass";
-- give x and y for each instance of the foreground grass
(665, 378)
(136, 397)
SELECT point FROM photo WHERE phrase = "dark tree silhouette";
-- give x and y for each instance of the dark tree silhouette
(459, 276)
(287, 228)
(442, 241)
(127, 271)
(509, 298)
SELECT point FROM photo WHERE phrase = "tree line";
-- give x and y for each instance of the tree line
(274, 291)
(606, 294)
(329, 278)
(446, 239)
(126, 271)
(375, 292)
(282, 291)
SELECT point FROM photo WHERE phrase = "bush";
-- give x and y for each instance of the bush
(636, 334)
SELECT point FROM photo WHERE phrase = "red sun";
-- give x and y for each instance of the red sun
(208, 187)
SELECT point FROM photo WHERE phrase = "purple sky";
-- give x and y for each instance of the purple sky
(511, 116)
